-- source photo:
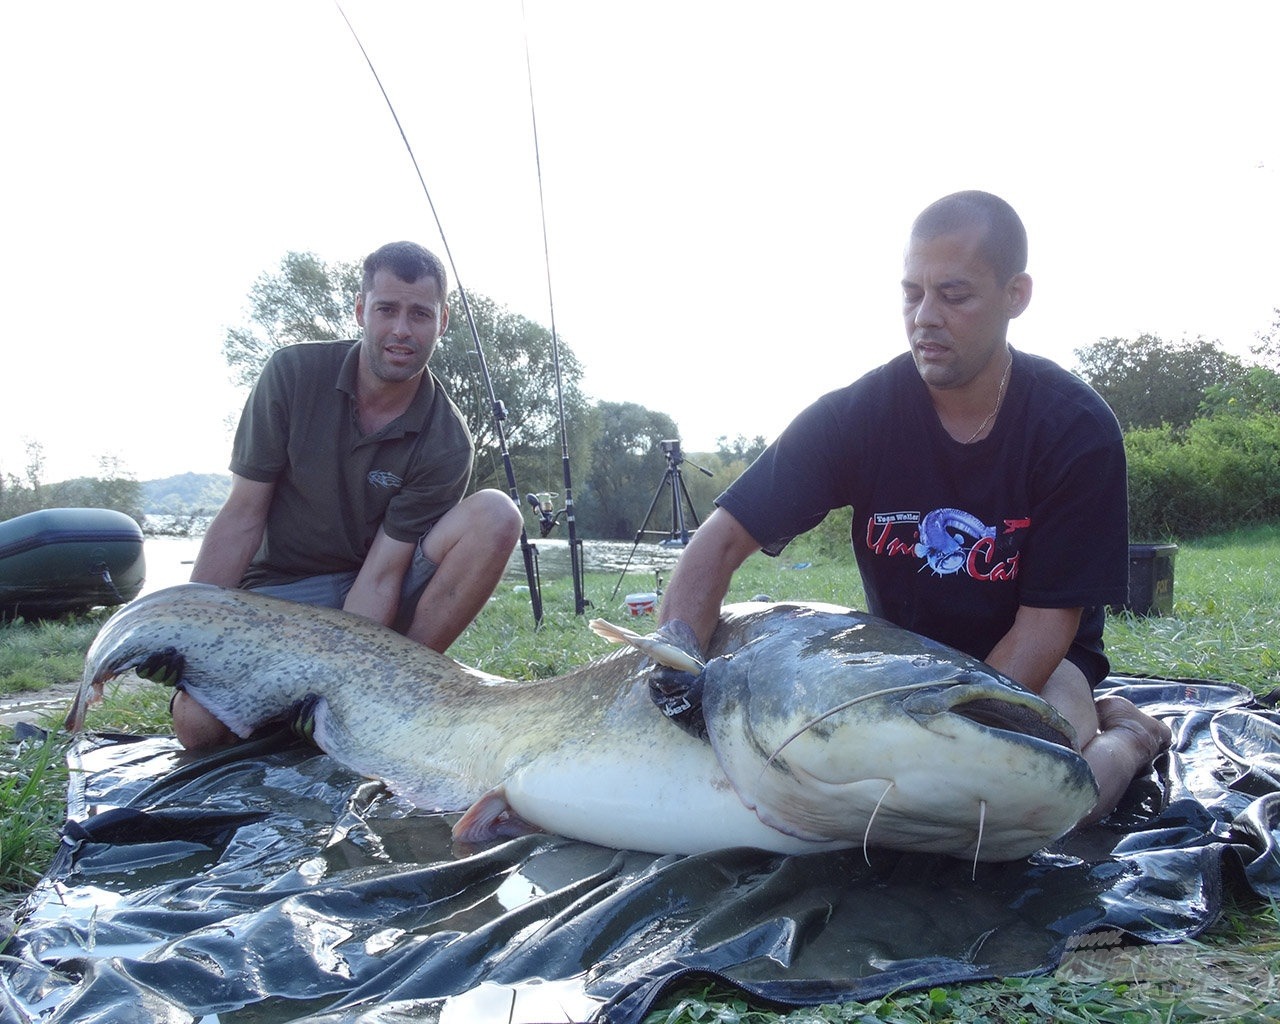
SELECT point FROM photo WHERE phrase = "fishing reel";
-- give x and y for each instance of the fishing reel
(542, 504)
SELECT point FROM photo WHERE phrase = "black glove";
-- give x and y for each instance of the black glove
(165, 666)
(678, 694)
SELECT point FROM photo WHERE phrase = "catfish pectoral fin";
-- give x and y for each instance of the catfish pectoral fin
(660, 651)
(489, 818)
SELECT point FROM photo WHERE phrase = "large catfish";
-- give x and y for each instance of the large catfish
(828, 728)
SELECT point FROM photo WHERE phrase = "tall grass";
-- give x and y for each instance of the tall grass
(32, 773)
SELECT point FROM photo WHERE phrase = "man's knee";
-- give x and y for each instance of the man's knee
(196, 728)
(484, 525)
(494, 513)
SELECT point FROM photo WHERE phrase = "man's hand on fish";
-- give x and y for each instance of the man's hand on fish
(678, 694)
(165, 667)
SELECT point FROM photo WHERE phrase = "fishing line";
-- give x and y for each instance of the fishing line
(575, 550)
(496, 408)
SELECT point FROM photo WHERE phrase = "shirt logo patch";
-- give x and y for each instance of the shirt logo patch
(950, 541)
(384, 478)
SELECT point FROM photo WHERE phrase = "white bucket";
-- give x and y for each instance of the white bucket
(641, 604)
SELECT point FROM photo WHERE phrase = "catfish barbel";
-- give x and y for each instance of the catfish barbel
(828, 728)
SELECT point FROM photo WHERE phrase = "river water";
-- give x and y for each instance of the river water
(169, 561)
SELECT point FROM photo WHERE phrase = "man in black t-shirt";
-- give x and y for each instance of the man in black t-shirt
(987, 487)
(349, 471)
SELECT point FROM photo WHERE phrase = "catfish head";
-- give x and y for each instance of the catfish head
(834, 724)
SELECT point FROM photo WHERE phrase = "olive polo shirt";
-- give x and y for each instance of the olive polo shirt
(335, 485)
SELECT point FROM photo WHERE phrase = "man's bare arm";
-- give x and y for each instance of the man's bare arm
(376, 591)
(235, 533)
(702, 576)
(1035, 644)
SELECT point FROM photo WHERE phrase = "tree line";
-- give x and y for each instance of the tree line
(1201, 425)
(113, 487)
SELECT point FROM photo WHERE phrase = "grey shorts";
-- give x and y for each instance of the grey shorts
(330, 589)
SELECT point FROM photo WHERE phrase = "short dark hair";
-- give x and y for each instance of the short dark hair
(1004, 243)
(408, 261)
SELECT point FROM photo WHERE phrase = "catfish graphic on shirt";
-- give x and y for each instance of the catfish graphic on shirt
(949, 541)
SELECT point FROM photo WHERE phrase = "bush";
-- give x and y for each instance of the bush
(1220, 473)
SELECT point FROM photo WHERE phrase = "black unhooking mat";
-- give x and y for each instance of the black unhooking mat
(273, 885)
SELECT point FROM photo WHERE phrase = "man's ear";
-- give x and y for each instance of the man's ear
(1017, 294)
(360, 309)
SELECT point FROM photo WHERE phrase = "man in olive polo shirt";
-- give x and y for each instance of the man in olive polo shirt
(349, 471)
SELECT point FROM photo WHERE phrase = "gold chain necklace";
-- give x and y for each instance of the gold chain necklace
(1004, 379)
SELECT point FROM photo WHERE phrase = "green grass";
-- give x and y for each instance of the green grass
(35, 654)
(33, 778)
(1224, 626)
(1226, 616)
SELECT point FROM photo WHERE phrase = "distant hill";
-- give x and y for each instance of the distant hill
(185, 494)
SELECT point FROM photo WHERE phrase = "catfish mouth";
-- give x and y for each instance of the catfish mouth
(1022, 714)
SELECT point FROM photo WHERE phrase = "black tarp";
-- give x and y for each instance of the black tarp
(271, 885)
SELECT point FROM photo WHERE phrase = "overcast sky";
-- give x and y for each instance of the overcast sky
(728, 187)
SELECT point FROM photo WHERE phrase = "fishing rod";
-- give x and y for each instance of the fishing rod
(496, 408)
(575, 545)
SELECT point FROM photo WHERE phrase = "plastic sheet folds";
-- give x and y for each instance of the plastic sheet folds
(273, 885)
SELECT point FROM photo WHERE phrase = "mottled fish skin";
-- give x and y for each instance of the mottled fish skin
(587, 755)
(571, 755)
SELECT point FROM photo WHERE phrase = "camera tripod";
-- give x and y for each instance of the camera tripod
(681, 504)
